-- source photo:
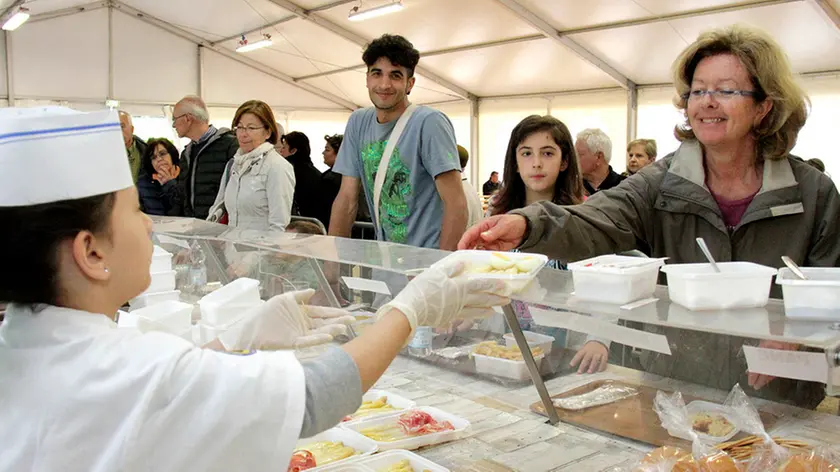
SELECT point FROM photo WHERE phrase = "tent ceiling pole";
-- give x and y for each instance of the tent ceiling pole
(202, 92)
(284, 20)
(828, 12)
(111, 66)
(632, 112)
(142, 16)
(68, 11)
(475, 156)
(10, 88)
(361, 41)
(549, 31)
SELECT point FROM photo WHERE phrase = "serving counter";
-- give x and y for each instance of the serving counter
(653, 345)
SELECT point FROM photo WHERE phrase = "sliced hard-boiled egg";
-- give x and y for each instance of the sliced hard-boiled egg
(527, 264)
(501, 261)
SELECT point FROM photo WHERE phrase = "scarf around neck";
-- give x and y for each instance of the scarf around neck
(243, 161)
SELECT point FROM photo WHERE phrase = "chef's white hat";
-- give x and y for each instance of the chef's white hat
(51, 154)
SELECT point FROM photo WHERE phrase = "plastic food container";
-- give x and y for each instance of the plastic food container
(362, 445)
(738, 285)
(171, 317)
(615, 279)
(410, 444)
(817, 298)
(477, 259)
(161, 282)
(149, 299)
(534, 340)
(699, 406)
(161, 260)
(389, 458)
(396, 401)
(516, 370)
(227, 303)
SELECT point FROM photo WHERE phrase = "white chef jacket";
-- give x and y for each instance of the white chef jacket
(79, 394)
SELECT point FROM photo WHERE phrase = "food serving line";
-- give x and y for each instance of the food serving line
(505, 435)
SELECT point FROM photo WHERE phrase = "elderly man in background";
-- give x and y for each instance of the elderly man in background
(134, 146)
(204, 158)
(594, 150)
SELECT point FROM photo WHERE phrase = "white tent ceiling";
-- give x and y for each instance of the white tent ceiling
(147, 50)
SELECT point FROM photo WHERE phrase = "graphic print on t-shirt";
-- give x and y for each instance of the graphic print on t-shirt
(396, 189)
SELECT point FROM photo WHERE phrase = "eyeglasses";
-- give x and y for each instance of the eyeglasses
(160, 155)
(721, 95)
(175, 118)
(249, 129)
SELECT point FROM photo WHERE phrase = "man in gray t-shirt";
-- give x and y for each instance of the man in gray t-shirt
(422, 201)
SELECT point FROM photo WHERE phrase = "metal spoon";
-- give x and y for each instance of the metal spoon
(794, 268)
(702, 243)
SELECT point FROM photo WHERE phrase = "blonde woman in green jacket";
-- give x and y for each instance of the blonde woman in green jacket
(732, 181)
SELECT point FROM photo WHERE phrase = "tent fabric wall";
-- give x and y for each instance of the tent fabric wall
(65, 57)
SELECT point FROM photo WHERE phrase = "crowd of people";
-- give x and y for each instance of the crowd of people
(80, 394)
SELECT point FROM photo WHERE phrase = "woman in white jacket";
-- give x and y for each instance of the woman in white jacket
(258, 185)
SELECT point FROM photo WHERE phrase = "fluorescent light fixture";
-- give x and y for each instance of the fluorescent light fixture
(17, 19)
(361, 15)
(263, 43)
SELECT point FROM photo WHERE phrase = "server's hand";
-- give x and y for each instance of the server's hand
(442, 294)
(285, 322)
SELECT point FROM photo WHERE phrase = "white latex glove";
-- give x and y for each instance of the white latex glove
(442, 294)
(284, 322)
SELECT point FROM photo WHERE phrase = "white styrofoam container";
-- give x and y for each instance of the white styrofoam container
(161, 282)
(170, 316)
(410, 444)
(516, 370)
(227, 303)
(363, 445)
(534, 340)
(389, 458)
(396, 401)
(700, 406)
(149, 299)
(161, 260)
(615, 279)
(817, 298)
(207, 332)
(516, 281)
(738, 285)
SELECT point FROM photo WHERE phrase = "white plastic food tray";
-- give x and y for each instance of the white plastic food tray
(170, 316)
(150, 299)
(700, 406)
(396, 401)
(615, 279)
(534, 340)
(379, 462)
(227, 303)
(361, 444)
(161, 260)
(478, 258)
(161, 282)
(459, 423)
(516, 370)
(738, 285)
(817, 298)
